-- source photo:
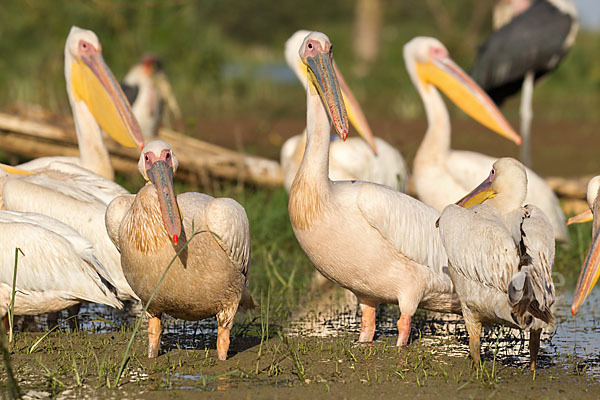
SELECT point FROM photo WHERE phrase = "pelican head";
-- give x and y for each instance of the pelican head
(317, 55)
(355, 114)
(507, 180)
(591, 195)
(157, 165)
(590, 272)
(429, 64)
(89, 80)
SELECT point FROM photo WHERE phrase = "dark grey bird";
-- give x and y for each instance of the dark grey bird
(523, 50)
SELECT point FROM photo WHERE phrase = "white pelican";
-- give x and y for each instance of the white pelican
(590, 271)
(371, 159)
(56, 270)
(77, 199)
(442, 175)
(500, 256)
(209, 277)
(147, 88)
(530, 40)
(379, 243)
(98, 104)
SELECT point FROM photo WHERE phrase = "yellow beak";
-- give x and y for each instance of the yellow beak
(15, 171)
(93, 83)
(585, 216)
(590, 272)
(478, 195)
(466, 94)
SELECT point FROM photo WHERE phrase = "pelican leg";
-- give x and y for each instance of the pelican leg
(223, 341)
(367, 321)
(403, 330)
(474, 330)
(534, 346)
(52, 319)
(526, 112)
(154, 331)
(72, 311)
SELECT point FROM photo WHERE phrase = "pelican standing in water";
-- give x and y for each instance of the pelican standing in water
(98, 104)
(500, 256)
(442, 175)
(369, 159)
(209, 277)
(590, 271)
(56, 269)
(379, 243)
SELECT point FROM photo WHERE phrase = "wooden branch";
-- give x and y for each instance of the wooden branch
(39, 139)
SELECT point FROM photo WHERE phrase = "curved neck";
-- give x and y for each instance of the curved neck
(437, 137)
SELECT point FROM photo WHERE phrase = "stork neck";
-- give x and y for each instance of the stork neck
(436, 141)
(92, 150)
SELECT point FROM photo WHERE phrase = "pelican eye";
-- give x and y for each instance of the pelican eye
(146, 157)
(168, 156)
(310, 46)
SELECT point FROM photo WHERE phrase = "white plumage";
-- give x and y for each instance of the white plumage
(57, 270)
(500, 256)
(370, 239)
(353, 159)
(441, 175)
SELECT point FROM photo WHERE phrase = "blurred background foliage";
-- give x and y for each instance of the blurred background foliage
(225, 57)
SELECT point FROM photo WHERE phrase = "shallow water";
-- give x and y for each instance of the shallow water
(576, 338)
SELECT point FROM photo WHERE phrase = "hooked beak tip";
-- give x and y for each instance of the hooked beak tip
(344, 135)
(142, 148)
(573, 311)
(175, 238)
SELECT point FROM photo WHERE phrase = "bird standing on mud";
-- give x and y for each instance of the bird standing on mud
(209, 276)
(500, 256)
(379, 243)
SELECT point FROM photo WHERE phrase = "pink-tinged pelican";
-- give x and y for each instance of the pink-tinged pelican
(590, 271)
(500, 256)
(147, 89)
(98, 104)
(379, 243)
(442, 175)
(209, 277)
(370, 159)
(56, 269)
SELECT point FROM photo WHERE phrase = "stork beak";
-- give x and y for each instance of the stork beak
(478, 195)
(322, 75)
(585, 216)
(93, 83)
(15, 171)
(161, 175)
(466, 94)
(589, 274)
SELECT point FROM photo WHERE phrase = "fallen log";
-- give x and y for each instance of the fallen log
(30, 138)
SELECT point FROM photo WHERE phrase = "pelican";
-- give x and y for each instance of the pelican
(500, 256)
(98, 104)
(442, 175)
(56, 270)
(75, 197)
(371, 159)
(530, 41)
(147, 88)
(590, 271)
(209, 277)
(379, 243)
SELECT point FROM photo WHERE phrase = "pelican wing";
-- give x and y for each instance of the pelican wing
(55, 258)
(479, 246)
(227, 219)
(114, 215)
(532, 231)
(408, 224)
